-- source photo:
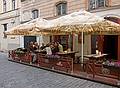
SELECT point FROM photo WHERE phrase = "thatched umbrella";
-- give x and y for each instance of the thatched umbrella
(84, 22)
(33, 27)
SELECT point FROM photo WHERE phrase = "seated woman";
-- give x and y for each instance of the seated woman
(30, 47)
(35, 46)
(55, 49)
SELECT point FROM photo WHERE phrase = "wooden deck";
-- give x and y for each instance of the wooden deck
(65, 65)
(79, 73)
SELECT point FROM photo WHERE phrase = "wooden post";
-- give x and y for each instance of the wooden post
(118, 47)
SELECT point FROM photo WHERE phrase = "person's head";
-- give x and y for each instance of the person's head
(51, 46)
(55, 44)
(31, 43)
(48, 45)
(36, 43)
(43, 44)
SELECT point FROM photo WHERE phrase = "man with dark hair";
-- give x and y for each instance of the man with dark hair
(43, 46)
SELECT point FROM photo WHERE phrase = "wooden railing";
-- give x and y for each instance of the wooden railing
(24, 57)
(49, 61)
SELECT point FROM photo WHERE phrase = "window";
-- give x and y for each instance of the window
(13, 4)
(5, 29)
(4, 5)
(101, 3)
(93, 4)
(22, 0)
(35, 14)
(61, 8)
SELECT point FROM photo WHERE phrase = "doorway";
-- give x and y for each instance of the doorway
(28, 39)
(93, 43)
(110, 46)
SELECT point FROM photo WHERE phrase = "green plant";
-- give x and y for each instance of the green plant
(19, 52)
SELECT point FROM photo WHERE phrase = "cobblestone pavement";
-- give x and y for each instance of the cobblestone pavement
(15, 75)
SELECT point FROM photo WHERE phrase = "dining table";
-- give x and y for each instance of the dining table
(40, 51)
(70, 54)
(94, 59)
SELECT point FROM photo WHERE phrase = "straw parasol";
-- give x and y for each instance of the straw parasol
(33, 27)
(83, 21)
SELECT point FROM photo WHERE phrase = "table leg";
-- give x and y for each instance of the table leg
(118, 83)
(93, 69)
(72, 66)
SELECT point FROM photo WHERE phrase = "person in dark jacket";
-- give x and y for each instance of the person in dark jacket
(43, 46)
(55, 49)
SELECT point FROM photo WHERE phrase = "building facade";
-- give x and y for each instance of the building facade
(9, 17)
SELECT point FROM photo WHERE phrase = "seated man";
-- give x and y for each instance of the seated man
(31, 49)
(43, 46)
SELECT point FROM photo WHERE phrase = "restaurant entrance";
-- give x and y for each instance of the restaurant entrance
(110, 46)
(107, 44)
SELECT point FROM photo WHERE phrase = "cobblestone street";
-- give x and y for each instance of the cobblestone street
(15, 75)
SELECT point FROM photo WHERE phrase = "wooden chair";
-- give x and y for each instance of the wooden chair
(42, 61)
(64, 64)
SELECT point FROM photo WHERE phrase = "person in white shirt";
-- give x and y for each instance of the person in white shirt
(48, 50)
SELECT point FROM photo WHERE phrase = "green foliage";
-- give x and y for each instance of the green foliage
(19, 52)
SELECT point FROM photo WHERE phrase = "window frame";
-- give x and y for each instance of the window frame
(35, 13)
(5, 27)
(13, 4)
(62, 6)
(95, 4)
(23, 0)
(4, 6)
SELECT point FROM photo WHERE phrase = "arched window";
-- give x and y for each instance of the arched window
(61, 8)
(13, 4)
(35, 14)
(4, 5)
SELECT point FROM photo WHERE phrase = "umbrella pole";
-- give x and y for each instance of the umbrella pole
(39, 40)
(19, 41)
(82, 51)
